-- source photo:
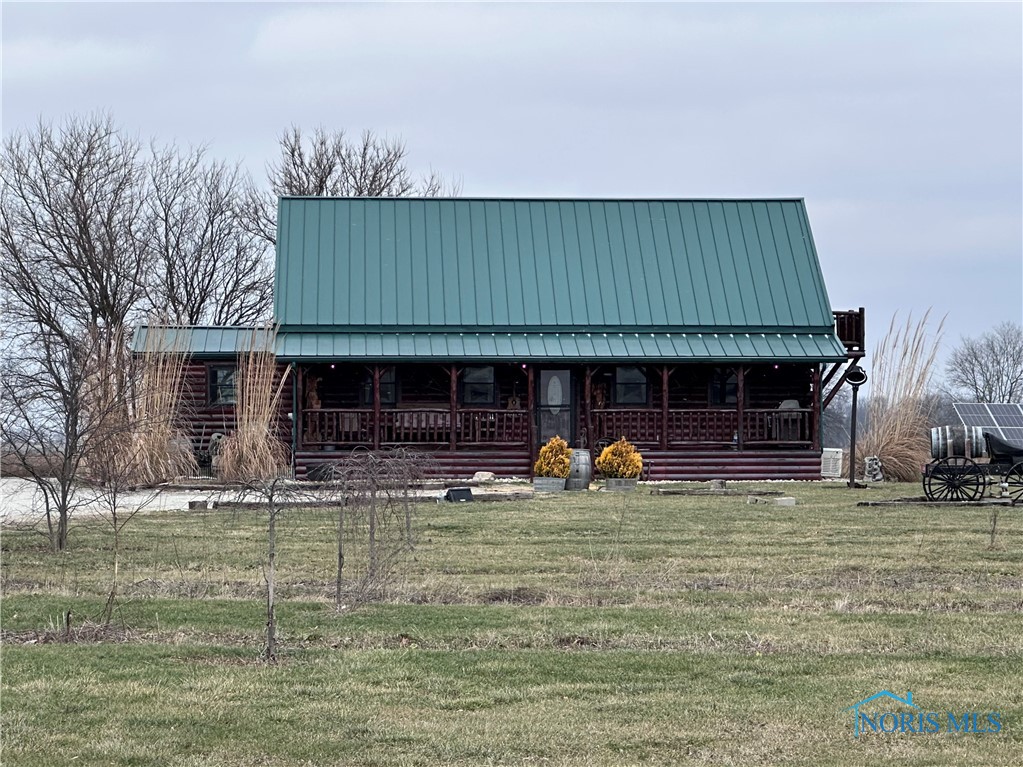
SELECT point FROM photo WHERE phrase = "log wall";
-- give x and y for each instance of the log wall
(201, 419)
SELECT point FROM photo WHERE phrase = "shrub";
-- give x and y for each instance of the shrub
(620, 459)
(555, 459)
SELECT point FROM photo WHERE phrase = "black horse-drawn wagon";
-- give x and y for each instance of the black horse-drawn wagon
(961, 478)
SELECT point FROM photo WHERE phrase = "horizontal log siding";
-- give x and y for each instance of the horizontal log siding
(201, 420)
(694, 465)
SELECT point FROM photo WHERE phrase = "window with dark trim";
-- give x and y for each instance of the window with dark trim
(388, 388)
(724, 387)
(631, 387)
(478, 386)
(222, 385)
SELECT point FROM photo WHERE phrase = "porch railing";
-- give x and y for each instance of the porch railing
(850, 329)
(709, 426)
(332, 427)
(493, 427)
(415, 426)
(718, 426)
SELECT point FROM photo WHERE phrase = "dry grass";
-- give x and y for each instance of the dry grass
(725, 634)
(106, 402)
(159, 449)
(897, 410)
(254, 451)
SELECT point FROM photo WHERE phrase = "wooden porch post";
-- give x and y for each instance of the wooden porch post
(587, 406)
(452, 438)
(815, 421)
(376, 407)
(531, 407)
(740, 404)
(664, 407)
(297, 406)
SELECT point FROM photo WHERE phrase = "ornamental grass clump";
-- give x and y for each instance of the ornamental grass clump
(897, 411)
(620, 460)
(254, 450)
(159, 446)
(555, 459)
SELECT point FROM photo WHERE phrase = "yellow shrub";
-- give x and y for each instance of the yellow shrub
(555, 459)
(620, 459)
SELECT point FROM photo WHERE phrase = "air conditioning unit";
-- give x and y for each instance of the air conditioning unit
(831, 462)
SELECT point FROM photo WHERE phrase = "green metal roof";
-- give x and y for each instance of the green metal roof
(200, 340)
(492, 264)
(554, 346)
(220, 342)
(493, 279)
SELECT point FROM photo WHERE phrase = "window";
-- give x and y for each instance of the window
(388, 388)
(631, 386)
(723, 387)
(222, 385)
(478, 386)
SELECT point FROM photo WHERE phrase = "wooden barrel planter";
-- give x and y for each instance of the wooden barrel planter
(581, 472)
(962, 441)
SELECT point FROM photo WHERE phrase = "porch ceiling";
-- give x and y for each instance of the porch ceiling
(534, 347)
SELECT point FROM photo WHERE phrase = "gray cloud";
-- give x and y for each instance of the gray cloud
(901, 124)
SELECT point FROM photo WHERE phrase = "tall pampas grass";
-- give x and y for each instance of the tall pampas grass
(898, 408)
(106, 401)
(254, 451)
(160, 450)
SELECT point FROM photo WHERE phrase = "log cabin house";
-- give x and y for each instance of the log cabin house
(475, 329)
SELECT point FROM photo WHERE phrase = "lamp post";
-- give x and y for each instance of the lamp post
(856, 378)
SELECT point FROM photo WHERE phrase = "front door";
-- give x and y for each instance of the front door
(557, 408)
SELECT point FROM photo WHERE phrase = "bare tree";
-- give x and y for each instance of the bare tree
(835, 420)
(329, 164)
(273, 494)
(72, 205)
(43, 427)
(116, 470)
(989, 368)
(61, 416)
(376, 513)
(938, 405)
(207, 268)
(91, 234)
(72, 271)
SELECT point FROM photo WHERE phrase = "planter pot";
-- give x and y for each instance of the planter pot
(621, 484)
(548, 484)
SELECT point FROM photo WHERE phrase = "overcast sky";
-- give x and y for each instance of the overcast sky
(901, 125)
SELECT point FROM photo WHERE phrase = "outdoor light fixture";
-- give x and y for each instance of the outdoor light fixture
(856, 376)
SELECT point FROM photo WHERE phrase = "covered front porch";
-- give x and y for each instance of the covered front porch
(763, 406)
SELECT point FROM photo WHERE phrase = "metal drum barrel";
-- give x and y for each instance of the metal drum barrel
(965, 441)
(580, 472)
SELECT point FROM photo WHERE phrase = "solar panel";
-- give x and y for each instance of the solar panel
(1013, 435)
(1003, 419)
(1002, 408)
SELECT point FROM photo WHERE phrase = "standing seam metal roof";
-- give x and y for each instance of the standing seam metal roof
(436, 264)
(493, 279)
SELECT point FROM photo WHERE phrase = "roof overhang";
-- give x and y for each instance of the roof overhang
(562, 347)
(804, 345)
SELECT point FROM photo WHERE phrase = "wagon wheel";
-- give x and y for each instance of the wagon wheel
(1014, 482)
(954, 479)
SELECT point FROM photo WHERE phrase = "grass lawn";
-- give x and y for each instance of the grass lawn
(576, 629)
